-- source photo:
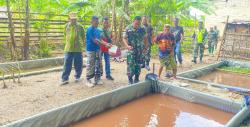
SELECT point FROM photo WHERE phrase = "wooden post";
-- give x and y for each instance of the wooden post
(223, 39)
(26, 37)
(11, 29)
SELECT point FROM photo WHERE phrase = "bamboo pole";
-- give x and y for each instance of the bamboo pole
(12, 32)
(223, 39)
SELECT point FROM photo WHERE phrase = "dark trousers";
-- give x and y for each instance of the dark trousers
(107, 63)
(69, 58)
(177, 52)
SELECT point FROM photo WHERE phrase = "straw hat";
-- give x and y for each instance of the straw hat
(73, 15)
(167, 25)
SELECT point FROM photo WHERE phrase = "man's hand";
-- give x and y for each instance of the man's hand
(129, 47)
(108, 45)
(97, 41)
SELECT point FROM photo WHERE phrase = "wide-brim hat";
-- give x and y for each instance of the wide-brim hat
(73, 15)
(167, 25)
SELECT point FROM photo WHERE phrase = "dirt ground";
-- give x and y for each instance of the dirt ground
(42, 92)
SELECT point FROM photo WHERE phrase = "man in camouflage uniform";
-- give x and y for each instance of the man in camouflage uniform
(217, 36)
(211, 40)
(199, 37)
(133, 39)
(149, 33)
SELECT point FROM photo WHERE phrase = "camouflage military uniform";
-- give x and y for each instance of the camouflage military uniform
(211, 41)
(200, 41)
(149, 31)
(135, 39)
(217, 37)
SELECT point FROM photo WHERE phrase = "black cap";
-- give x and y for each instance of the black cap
(137, 18)
(105, 18)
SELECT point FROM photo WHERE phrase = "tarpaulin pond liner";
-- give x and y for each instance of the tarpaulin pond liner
(245, 92)
(83, 109)
(53, 64)
(211, 67)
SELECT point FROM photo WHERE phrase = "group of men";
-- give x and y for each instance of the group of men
(137, 38)
(201, 36)
(98, 41)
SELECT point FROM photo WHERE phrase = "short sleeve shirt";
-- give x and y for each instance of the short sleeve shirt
(149, 32)
(135, 36)
(92, 34)
(177, 31)
(166, 43)
(106, 36)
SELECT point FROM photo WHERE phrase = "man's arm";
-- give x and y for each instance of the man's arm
(64, 33)
(82, 33)
(205, 36)
(182, 34)
(125, 41)
(95, 36)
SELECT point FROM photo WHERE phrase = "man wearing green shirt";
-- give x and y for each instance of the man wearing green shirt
(199, 37)
(74, 36)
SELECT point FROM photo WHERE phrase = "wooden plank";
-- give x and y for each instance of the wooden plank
(33, 27)
(35, 13)
(36, 32)
(39, 36)
(237, 34)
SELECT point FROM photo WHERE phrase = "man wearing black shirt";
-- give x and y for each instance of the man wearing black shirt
(178, 34)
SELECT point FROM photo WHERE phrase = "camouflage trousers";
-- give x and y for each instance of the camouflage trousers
(134, 62)
(94, 65)
(211, 46)
(147, 55)
(198, 47)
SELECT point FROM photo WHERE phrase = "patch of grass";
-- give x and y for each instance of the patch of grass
(235, 69)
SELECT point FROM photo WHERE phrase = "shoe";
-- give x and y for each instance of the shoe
(64, 82)
(98, 82)
(130, 80)
(147, 67)
(169, 75)
(142, 65)
(90, 83)
(194, 61)
(77, 80)
(136, 81)
(109, 77)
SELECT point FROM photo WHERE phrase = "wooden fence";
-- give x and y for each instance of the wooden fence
(236, 46)
(49, 26)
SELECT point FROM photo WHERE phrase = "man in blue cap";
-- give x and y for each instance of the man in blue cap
(93, 42)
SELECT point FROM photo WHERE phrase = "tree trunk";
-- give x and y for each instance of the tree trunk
(20, 2)
(12, 32)
(26, 37)
(126, 10)
(114, 20)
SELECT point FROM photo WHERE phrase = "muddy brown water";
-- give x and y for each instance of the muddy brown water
(227, 78)
(158, 110)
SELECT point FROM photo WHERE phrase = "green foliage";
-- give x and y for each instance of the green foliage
(187, 47)
(235, 69)
(154, 50)
(44, 50)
